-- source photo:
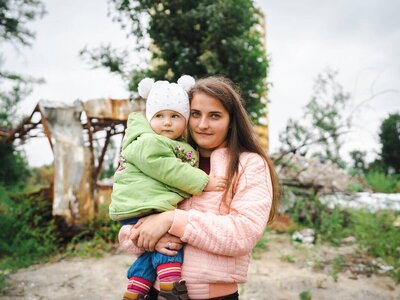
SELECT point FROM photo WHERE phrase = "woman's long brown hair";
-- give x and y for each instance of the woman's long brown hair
(241, 135)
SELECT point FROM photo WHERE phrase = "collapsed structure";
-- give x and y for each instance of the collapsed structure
(72, 131)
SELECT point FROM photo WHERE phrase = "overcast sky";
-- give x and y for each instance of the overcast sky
(360, 39)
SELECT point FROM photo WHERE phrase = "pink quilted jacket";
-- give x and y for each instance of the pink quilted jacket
(219, 240)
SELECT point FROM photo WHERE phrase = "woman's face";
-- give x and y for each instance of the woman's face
(208, 123)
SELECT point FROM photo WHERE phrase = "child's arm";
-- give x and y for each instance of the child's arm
(156, 159)
(215, 184)
(125, 243)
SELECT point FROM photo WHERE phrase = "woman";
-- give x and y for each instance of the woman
(220, 229)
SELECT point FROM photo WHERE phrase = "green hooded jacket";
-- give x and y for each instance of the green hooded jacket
(155, 173)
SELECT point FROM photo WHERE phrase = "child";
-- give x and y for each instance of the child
(157, 170)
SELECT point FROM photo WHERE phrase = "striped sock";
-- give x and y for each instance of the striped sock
(139, 286)
(169, 272)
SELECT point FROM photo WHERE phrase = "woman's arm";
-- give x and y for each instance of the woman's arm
(236, 233)
(149, 230)
(168, 244)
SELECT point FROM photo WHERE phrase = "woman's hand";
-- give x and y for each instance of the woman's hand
(149, 230)
(169, 245)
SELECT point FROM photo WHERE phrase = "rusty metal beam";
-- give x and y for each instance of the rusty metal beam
(45, 126)
(101, 158)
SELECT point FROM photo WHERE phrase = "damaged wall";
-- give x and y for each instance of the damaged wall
(73, 193)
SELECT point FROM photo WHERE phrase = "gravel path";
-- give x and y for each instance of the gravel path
(281, 272)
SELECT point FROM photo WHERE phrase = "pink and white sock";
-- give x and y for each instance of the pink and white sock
(139, 285)
(169, 272)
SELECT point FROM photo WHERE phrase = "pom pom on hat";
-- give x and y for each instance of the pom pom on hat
(145, 86)
(186, 82)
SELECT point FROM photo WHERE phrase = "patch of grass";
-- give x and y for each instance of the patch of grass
(382, 183)
(321, 283)
(318, 265)
(354, 187)
(28, 233)
(261, 245)
(376, 233)
(333, 225)
(100, 238)
(3, 282)
(288, 258)
(305, 295)
(337, 267)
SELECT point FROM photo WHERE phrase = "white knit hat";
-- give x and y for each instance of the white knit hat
(162, 95)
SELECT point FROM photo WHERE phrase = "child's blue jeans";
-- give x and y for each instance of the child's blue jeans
(146, 264)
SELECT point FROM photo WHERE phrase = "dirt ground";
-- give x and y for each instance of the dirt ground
(281, 272)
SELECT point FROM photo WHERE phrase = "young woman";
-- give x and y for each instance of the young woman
(220, 229)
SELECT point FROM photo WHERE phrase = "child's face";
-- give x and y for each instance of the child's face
(168, 123)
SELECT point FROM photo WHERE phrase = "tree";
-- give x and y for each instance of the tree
(14, 18)
(390, 139)
(205, 37)
(320, 131)
(358, 160)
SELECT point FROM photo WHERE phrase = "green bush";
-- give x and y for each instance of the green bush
(334, 225)
(382, 183)
(376, 233)
(14, 169)
(99, 238)
(329, 224)
(389, 138)
(27, 231)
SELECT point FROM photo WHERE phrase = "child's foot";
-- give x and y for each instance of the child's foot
(173, 291)
(128, 295)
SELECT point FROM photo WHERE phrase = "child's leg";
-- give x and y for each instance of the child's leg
(169, 269)
(141, 276)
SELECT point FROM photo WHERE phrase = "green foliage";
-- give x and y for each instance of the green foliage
(27, 233)
(382, 183)
(320, 131)
(333, 226)
(99, 238)
(41, 178)
(376, 233)
(14, 18)
(390, 139)
(306, 211)
(358, 158)
(288, 258)
(337, 267)
(305, 295)
(261, 245)
(14, 169)
(354, 187)
(219, 37)
(330, 225)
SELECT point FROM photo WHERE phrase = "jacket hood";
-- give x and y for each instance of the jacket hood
(137, 125)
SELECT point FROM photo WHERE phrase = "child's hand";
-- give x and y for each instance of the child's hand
(215, 184)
